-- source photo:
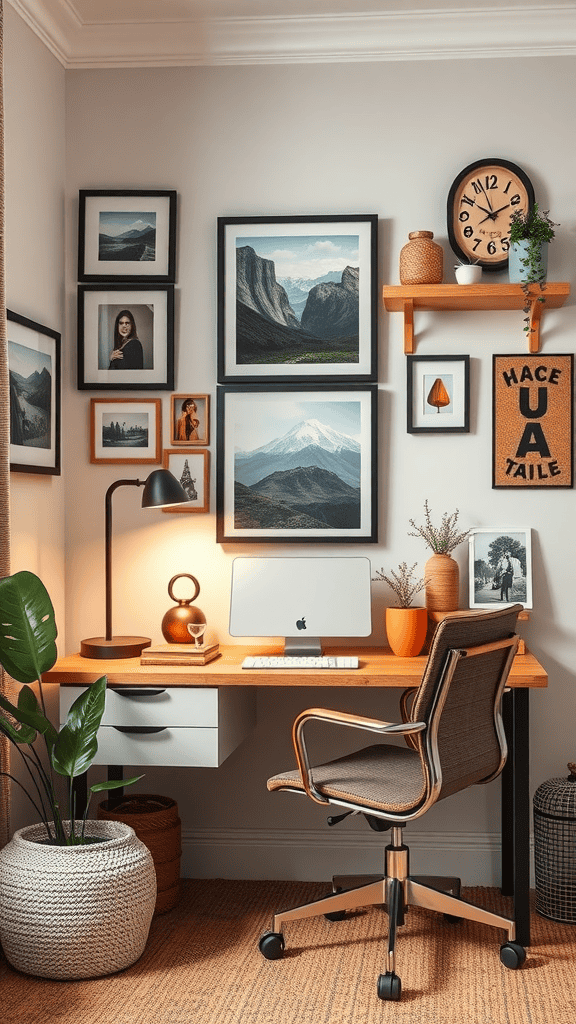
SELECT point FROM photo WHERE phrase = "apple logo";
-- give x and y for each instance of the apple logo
(301, 623)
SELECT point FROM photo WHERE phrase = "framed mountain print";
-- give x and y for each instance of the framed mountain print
(297, 464)
(127, 234)
(34, 377)
(297, 299)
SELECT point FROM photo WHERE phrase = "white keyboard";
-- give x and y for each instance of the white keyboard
(309, 661)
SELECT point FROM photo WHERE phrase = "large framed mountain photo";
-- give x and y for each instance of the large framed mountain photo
(297, 299)
(296, 463)
(34, 372)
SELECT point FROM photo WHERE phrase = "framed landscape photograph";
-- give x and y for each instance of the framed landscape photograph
(126, 430)
(297, 464)
(125, 337)
(192, 470)
(127, 234)
(34, 374)
(297, 299)
(500, 568)
(438, 394)
(189, 419)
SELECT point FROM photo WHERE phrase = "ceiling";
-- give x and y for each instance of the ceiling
(172, 33)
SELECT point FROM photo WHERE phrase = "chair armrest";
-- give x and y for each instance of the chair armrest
(339, 718)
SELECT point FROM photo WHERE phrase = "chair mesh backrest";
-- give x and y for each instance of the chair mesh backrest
(468, 745)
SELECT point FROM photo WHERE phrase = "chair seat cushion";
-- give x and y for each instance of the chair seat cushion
(380, 777)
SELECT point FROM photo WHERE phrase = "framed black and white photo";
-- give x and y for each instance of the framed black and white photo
(126, 430)
(500, 567)
(297, 299)
(438, 394)
(191, 469)
(189, 419)
(34, 372)
(127, 234)
(125, 337)
(297, 464)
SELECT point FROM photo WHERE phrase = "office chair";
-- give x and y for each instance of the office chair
(454, 738)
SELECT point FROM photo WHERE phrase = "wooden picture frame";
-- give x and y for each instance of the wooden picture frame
(297, 299)
(297, 464)
(191, 429)
(125, 431)
(147, 361)
(438, 394)
(500, 567)
(35, 396)
(192, 469)
(127, 234)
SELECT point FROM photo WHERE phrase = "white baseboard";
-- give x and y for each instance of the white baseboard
(316, 855)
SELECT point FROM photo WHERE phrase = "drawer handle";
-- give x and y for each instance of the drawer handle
(137, 691)
(140, 729)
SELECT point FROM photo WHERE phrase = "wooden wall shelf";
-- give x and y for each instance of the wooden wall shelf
(459, 297)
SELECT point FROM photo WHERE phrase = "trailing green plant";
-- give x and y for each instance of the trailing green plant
(402, 583)
(535, 228)
(442, 539)
(27, 649)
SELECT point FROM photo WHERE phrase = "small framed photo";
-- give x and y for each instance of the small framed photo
(438, 394)
(500, 567)
(126, 235)
(189, 419)
(297, 464)
(192, 470)
(34, 373)
(125, 337)
(297, 299)
(126, 430)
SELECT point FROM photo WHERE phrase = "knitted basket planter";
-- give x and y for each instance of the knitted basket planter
(75, 911)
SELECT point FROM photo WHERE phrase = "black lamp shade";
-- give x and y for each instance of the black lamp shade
(162, 488)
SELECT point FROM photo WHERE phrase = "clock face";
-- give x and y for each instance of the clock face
(481, 201)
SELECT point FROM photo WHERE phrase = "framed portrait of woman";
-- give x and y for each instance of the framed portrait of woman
(125, 337)
(189, 419)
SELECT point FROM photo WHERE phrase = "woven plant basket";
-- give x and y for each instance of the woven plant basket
(75, 911)
(421, 259)
(155, 821)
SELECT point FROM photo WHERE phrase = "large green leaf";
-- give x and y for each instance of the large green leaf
(76, 744)
(27, 627)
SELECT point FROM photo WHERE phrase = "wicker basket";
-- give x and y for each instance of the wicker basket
(555, 847)
(75, 911)
(421, 260)
(155, 821)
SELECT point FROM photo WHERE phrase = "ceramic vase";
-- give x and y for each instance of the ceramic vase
(468, 273)
(517, 272)
(443, 586)
(406, 630)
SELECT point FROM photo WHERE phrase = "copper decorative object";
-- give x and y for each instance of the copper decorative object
(176, 620)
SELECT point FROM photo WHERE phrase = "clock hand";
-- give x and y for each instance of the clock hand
(496, 212)
(484, 210)
(485, 193)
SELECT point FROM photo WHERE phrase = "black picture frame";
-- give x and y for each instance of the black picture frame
(142, 229)
(35, 395)
(332, 497)
(152, 309)
(438, 394)
(259, 317)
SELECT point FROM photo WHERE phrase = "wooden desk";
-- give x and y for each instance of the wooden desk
(378, 668)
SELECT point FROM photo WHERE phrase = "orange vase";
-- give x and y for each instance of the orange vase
(406, 630)
(443, 586)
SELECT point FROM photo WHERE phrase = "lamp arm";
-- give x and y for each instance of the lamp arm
(108, 543)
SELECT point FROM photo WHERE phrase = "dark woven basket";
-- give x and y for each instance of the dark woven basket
(555, 847)
(155, 821)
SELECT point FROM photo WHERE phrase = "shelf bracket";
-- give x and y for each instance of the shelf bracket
(536, 307)
(408, 310)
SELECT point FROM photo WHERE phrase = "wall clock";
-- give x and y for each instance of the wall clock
(481, 201)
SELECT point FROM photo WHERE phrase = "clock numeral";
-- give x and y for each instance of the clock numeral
(467, 199)
(477, 242)
(491, 248)
(464, 215)
(468, 231)
(507, 187)
(505, 243)
(515, 200)
(491, 181)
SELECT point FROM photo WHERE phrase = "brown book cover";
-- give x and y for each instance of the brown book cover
(179, 654)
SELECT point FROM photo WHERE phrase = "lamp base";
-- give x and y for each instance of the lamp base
(118, 647)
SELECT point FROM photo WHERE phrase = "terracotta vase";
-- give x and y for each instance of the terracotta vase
(406, 630)
(443, 586)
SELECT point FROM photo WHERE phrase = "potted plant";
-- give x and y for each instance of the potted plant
(442, 573)
(406, 626)
(530, 233)
(96, 878)
(468, 271)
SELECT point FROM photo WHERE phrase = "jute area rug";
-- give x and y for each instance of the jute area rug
(202, 966)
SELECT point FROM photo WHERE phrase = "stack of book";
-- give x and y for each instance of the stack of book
(179, 654)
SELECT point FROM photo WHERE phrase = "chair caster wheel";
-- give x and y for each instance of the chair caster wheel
(271, 945)
(335, 915)
(389, 986)
(512, 955)
(451, 919)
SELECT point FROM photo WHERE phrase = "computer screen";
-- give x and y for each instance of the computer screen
(303, 598)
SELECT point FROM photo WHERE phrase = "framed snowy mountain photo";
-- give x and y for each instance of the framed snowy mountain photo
(297, 299)
(297, 463)
(127, 234)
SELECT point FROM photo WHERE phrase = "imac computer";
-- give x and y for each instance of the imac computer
(301, 599)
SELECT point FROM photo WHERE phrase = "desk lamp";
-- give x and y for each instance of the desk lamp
(160, 488)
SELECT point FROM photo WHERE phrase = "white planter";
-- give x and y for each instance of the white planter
(75, 911)
(517, 272)
(468, 273)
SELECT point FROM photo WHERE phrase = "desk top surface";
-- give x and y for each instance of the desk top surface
(377, 667)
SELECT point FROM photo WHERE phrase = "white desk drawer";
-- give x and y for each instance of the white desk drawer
(185, 747)
(153, 705)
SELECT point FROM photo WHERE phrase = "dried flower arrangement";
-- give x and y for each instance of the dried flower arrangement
(441, 540)
(402, 583)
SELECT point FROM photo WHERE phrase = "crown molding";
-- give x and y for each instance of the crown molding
(511, 30)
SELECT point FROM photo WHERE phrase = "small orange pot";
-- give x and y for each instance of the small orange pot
(406, 630)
